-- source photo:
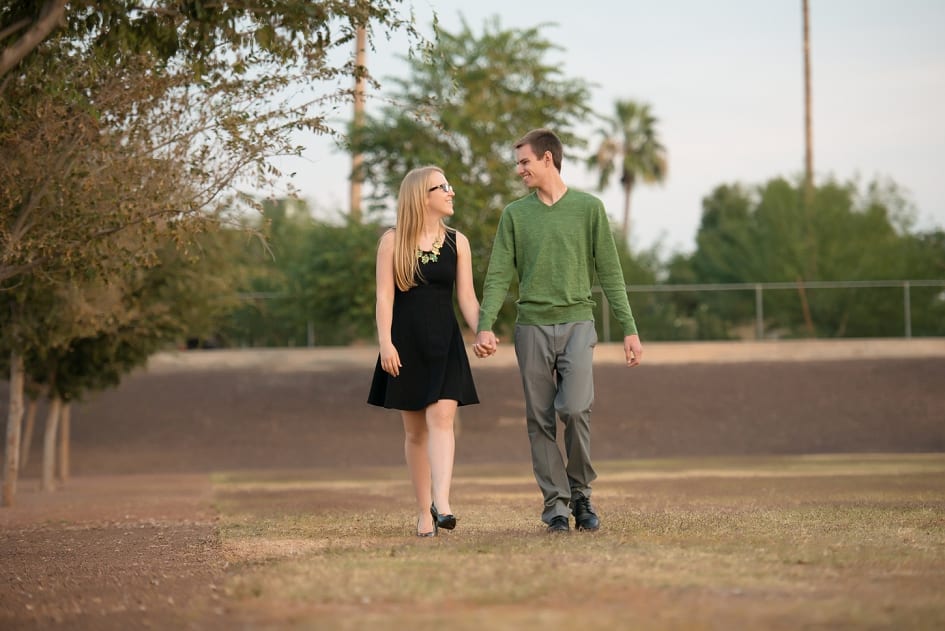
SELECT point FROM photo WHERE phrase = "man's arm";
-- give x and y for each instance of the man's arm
(495, 286)
(610, 274)
(499, 276)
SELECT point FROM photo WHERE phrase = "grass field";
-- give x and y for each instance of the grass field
(805, 542)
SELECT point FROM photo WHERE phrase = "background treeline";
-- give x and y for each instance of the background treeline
(316, 284)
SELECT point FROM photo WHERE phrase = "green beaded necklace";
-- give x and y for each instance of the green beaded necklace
(433, 254)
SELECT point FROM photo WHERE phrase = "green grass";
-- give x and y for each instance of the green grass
(785, 542)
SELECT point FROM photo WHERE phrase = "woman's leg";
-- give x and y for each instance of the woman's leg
(416, 440)
(442, 447)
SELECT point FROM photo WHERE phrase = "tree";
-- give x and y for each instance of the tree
(313, 285)
(631, 145)
(201, 33)
(336, 282)
(216, 88)
(79, 202)
(462, 108)
(131, 121)
(270, 312)
(130, 319)
(758, 234)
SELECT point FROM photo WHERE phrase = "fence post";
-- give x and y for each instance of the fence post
(907, 308)
(759, 313)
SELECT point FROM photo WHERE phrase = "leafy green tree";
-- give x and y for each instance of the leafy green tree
(271, 312)
(77, 208)
(337, 284)
(201, 90)
(761, 235)
(461, 108)
(122, 123)
(97, 334)
(68, 374)
(631, 146)
(217, 39)
(924, 258)
(313, 285)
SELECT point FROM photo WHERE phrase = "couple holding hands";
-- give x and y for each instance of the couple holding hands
(555, 240)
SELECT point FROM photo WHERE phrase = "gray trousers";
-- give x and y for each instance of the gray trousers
(556, 364)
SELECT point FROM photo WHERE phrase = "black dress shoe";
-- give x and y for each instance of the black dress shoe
(447, 522)
(584, 516)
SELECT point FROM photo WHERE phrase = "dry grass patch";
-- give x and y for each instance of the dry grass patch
(792, 542)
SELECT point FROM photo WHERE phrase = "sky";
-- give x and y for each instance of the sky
(725, 80)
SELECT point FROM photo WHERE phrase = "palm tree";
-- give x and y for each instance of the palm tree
(632, 140)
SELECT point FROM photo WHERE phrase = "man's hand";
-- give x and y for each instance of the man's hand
(633, 350)
(486, 344)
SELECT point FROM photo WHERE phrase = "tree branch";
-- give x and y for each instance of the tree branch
(10, 271)
(49, 18)
(13, 28)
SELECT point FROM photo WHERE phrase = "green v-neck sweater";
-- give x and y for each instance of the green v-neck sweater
(556, 251)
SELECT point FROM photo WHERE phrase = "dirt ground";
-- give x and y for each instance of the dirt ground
(130, 541)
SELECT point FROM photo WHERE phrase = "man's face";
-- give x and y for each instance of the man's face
(531, 168)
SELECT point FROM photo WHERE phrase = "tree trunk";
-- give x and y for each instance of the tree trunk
(65, 417)
(805, 307)
(49, 444)
(625, 227)
(28, 434)
(14, 420)
(357, 160)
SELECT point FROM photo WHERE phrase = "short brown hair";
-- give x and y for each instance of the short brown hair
(542, 140)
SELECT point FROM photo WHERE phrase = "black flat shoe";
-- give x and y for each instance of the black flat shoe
(447, 522)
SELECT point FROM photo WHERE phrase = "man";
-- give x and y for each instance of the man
(556, 239)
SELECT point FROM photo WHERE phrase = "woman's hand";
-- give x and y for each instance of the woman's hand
(390, 359)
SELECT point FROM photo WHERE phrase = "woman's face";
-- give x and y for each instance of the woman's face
(440, 195)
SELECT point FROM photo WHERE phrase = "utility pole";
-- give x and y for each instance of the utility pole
(808, 131)
(356, 158)
(810, 260)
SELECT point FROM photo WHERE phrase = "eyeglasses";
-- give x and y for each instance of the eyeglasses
(445, 187)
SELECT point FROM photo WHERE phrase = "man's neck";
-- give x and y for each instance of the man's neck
(550, 193)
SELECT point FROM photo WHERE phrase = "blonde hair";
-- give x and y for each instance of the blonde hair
(411, 209)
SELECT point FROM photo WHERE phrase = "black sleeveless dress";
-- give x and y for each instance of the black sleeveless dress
(427, 338)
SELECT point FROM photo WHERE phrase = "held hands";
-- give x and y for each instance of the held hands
(633, 350)
(486, 344)
(390, 359)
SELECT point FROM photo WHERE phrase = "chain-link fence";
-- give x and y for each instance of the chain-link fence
(814, 309)
(899, 308)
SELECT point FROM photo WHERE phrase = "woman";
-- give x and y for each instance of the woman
(422, 368)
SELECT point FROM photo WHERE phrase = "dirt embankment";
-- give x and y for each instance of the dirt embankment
(217, 410)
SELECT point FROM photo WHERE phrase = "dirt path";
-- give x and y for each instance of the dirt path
(111, 552)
